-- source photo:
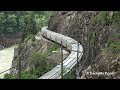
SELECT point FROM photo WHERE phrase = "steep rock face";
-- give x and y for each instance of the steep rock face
(30, 46)
(24, 52)
(105, 66)
(8, 40)
(91, 28)
(1, 47)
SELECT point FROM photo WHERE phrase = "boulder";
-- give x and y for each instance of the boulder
(1, 47)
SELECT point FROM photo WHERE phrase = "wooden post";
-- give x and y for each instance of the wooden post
(77, 54)
(18, 29)
(77, 67)
(61, 60)
(19, 68)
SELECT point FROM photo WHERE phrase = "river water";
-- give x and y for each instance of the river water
(6, 57)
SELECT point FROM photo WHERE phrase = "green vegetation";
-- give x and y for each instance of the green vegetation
(29, 23)
(9, 76)
(53, 47)
(39, 67)
(37, 58)
(101, 18)
(28, 75)
(93, 38)
(14, 21)
(71, 74)
(39, 64)
(114, 43)
(24, 75)
(116, 18)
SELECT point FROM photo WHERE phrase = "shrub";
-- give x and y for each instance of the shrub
(9, 76)
(26, 74)
(37, 58)
(115, 47)
(101, 18)
(116, 18)
(40, 64)
(53, 47)
(114, 43)
(71, 74)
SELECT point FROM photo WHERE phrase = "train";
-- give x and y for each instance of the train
(71, 45)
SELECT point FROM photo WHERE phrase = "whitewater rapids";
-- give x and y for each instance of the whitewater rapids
(6, 57)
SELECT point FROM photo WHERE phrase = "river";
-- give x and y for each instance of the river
(6, 57)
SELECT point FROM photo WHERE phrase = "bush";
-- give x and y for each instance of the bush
(40, 64)
(54, 47)
(93, 38)
(40, 71)
(24, 75)
(115, 47)
(71, 74)
(114, 43)
(101, 18)
(27, 75)
(116, 18)
(43, 68)
(37, 58)
(9, 76)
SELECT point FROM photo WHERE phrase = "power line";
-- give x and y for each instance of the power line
(8, 69)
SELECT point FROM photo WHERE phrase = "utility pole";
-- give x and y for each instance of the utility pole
(77, 54)
(18, 29)
(19, 68)
(61, 60)
(77, 67)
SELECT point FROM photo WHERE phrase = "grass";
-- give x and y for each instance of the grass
(53, 47)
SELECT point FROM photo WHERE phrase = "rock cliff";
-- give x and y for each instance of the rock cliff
(97, 31)
(93, 29)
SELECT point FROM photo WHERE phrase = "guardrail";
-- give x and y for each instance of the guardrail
(70, 61)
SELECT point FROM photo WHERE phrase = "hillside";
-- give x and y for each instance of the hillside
(97, 31)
